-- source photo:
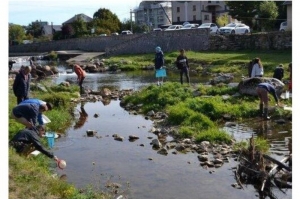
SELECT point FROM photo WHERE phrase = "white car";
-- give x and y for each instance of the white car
(234, 28)
(190, 26)
(283, 26)
(212, 26)
(126, 32)
(173, 27)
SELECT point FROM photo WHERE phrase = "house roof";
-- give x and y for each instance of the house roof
(84, 17)
(47, 29)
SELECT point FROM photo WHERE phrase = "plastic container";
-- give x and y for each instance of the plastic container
(50, 138)
(287, 94)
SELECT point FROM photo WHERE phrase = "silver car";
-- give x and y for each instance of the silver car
(235, 28)
(212, 26)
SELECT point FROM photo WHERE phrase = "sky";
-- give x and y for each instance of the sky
(23, 12)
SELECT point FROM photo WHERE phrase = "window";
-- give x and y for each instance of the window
(209, 1)
(178, 9)
(178, 19)
(194, 17)
(206, 17)
(194, 7)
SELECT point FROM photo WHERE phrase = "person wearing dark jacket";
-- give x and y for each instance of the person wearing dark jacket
(27, 113)
(21, 85)
(38, 102)
(262, 90)
(183, 65)
(159, 61)
(27, 140)
(279, 72)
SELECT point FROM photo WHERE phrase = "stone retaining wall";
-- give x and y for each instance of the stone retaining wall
(195, 39)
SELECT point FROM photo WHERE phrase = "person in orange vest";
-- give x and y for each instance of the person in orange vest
(80, 76)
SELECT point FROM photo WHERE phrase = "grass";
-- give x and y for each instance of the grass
(30, 177)
(216, 61)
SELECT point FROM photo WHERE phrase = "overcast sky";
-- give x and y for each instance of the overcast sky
(23, 12)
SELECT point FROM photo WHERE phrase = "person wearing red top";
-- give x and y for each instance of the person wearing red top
(80, 76)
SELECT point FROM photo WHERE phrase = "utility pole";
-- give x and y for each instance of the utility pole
(131, 20)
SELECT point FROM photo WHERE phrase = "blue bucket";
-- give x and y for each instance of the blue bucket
(50, 139)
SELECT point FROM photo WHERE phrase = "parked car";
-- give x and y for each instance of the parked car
(114, 33)
(126, 32)
(173, 27)
(190, 26)
(283, 26)
(157, 29)
(212, 26)
(234, 28)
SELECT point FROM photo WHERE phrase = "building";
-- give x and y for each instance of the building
(84, 17)
(288, 5)
(197, 11)
(153, 14)
(50, 30)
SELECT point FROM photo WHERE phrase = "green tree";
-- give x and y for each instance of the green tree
(105, 19)
(222, 20)
(268, 13)
(244, 11)
(79, 27)
(16, 33)
(282, 14)
(35, 29)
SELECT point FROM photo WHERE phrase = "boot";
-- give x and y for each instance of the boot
(261, 110)
(266, 111)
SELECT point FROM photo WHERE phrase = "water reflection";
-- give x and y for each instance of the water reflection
(82, 118)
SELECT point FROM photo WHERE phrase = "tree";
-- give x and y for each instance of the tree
(67, 31)
(79, 27)
(268, 13)
(35, 29)
(223, 19)
(105, 19)
(244, 11)
(16, 33)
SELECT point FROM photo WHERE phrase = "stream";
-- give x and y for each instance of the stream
(139, 171)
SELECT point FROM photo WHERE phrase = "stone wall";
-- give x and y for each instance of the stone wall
(195, 39)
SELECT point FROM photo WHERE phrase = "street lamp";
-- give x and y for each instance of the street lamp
(131, 20)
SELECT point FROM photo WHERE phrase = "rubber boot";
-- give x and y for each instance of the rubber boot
(266, 111)
(261, 110)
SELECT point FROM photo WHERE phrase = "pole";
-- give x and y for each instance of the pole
(131, 20)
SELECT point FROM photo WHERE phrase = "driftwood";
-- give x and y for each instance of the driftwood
(258, 169)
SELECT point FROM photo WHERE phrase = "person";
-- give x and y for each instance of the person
(159, 62)
(38, 102)
(250, 66)
(183, 65)
(21, 85)
(32, 65)
(258, 69)
(279, 72)
(28, 140)
(290, 71)
(10, 64)
(262, 90)
(27, 113)
(80, 76)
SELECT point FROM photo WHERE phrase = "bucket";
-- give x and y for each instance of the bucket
(50, 139)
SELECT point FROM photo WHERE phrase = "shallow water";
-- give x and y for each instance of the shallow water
(100, 159)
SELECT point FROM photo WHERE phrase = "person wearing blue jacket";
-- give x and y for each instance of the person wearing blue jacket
(262, 90)
(38, 102)
(21, 85)
(27, 113)
(159, 61)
